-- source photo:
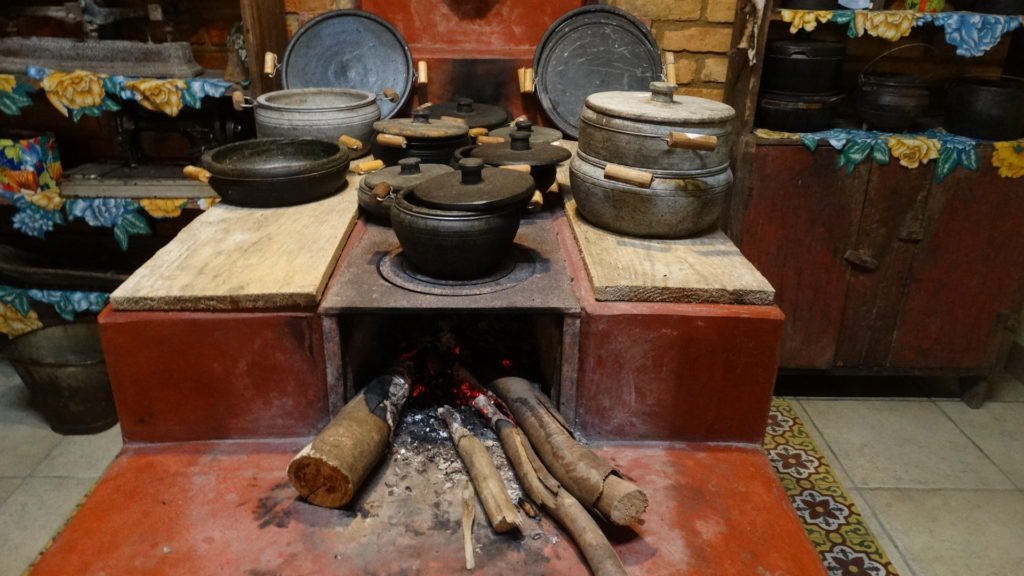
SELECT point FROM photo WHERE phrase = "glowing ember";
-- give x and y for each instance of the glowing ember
(506, 363)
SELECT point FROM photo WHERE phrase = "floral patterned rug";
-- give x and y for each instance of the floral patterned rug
(831, 518)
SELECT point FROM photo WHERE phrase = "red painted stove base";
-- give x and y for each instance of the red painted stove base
(675, 372)
(225, 508)
(180, 376)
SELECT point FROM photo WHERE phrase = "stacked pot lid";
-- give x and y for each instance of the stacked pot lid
(378, 189)
(652, 164)
(431, 140)
(474, 114)
(538, 134)
(589, 50)
(800, 85)
(519, 150)
(351, 49)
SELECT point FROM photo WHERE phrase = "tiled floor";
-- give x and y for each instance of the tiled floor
(939, 484)
(43, 475)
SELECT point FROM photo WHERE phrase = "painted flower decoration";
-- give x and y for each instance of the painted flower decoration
(7, 83)
(819, 509)
(888, 25)
(33, 220)
(805, 19)
(47, 200)
(100, 212)
(792, 461)
(158, 95)
(1009, 158)
(778, 424)
(72, 90)
(14, 323)
(912, 151)
(844, 561)
(974, 34)
(22, 180)
(163, 207)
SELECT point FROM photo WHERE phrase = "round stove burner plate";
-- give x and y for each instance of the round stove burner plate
(516, 269)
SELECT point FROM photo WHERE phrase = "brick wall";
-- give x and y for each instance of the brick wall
(698, 33)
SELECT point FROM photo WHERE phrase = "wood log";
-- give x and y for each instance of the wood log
(590, 478)
(330, 470)
(501, 512)
(468, 514)
(556, 501)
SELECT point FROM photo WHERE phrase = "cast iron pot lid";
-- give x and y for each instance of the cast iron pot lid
(274, 158)
(591, 49)
(421, 125)
(408, 172)
(660, 106)
(798, 49)
(350, 49)
(519, 150)
(538, 134)
(475, 114)
(474, 188)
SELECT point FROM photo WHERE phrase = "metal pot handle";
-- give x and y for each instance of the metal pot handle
(860, 77)
(196, 173)
(240, 101)
(627, 175)
(690, 141)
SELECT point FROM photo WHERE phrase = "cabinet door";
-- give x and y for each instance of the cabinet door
(800, 218)
(891, 226)
(967, 273)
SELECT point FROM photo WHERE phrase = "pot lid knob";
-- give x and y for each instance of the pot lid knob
(409, 166)
(421, 117)
(520, 140)
(464, 105)
(524, 125)
(662, 92)
(472, 170)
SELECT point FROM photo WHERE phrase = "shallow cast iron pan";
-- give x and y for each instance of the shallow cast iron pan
(273, 172)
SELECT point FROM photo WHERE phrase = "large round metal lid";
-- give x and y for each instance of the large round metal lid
(475, 114)
(474, 188)
(589, 50)
(519, 150)
(350, 49)
(538, 134)
(661, 105)
(421, 125)
(408, 172)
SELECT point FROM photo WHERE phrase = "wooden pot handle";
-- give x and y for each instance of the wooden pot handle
(536, 203)
(627, 175)
(422, 73)
(349, 142)
(516, 167)
(381, 191)
(688, 141)
(270, 64)
(239, 101)
(478, 132)
(391, 140)
(196, 173)
(489, 140)
(390, 94)
(368, 166)
(455, 119)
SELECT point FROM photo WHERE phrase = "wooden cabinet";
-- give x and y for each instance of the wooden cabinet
(884, 269)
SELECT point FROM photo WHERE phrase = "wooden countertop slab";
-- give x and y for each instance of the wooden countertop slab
(705, 270)
(232, 258)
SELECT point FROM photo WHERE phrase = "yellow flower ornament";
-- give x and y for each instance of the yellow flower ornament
(1009, 158)
(78, 89)
(158, 95)
(913, 151)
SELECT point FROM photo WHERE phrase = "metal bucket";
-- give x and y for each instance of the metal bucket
(63, 368)
(321, 113)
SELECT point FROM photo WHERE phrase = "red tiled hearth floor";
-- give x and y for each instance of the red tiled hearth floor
(226, 508)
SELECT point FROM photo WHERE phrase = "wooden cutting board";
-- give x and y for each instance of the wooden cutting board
(705, 270)
(232, 258)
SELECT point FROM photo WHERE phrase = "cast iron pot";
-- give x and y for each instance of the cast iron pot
(377, 190)
(338, 115)
(538, 134)
(273, 172)
(461, 154)
(658, 130)
(432, 141)
(802, 67)
(986, 107)
(810, 4)
(891, 102)
(788, 113)
(646, 204)
(542, 159)
(461, 244)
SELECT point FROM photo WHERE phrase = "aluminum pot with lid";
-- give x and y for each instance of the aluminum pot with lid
(658, 130)
(377, 190)
(646, 204)
(338, 115)
(433, 141)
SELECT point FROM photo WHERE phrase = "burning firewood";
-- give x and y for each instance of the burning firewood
(330, 469)
(498, 505)
(559, 503)
(591, 479)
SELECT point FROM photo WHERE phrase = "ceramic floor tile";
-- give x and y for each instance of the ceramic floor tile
(32, 515)
(81, 456)
(7, 487)
(1006, 388)
(955, 532)
(23, 447)
(881, 534)
(998, 428)
(819, 440)
(8, 377)
(901, 444)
